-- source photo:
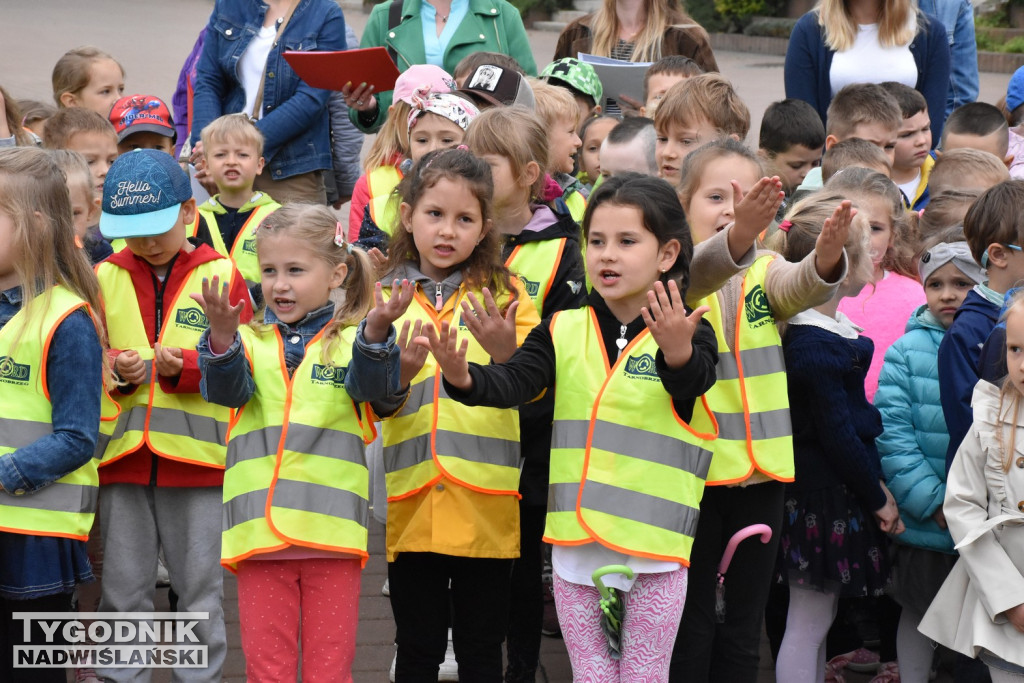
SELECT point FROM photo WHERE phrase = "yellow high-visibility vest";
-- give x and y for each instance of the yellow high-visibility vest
(626, 471)
(535, 264)
(296, 469)
(382, 182)
(243, 251)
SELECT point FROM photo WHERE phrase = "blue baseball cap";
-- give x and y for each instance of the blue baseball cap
(142, 194)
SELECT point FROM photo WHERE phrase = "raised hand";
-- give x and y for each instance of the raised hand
(753, 212)
(496, 333)
(130, 367)
(222, 316)
(669, 323)
(385, 313)
(378, 259)
(168, 362)
(449, 354)
(828, 248)
(412, 356)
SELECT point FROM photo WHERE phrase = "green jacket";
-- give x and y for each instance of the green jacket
(489, 25)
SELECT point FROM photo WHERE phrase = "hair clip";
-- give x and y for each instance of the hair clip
(784, 226)
(464, 148)
(920, 213)
(339, 236)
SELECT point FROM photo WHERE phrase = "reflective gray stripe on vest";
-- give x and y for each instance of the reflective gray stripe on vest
(635, 443)
(756, 362)
(149, 368)
(255, 444)
(640, 507)
(20, 433)
(562, 497)
(419, 395)
(327, 443)
(769, 424)
(481, 449)
(245, 507)
(296, 495)
(58, 497)
(174, 423)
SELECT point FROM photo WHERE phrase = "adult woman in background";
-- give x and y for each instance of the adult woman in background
(438, 32)
(841, 42)
(242, 69)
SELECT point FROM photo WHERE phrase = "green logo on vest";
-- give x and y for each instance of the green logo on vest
(642, 367)
(532, 287)
(249, 245)
(193, 318)
(14, 373)
(755, 305)
(328, 374)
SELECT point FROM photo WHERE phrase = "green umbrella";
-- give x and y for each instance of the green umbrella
(613, 609)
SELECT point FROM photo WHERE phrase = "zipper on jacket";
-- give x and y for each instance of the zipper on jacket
(438, 298)
(159, 288)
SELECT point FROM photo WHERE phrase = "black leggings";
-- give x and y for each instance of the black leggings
(12, 634)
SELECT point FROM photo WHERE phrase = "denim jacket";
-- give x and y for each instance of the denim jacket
(958, 18)
(295, 123)
(227, 378)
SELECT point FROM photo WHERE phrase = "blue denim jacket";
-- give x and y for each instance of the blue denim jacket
(958, 18)
(227, 378)
(295, 123)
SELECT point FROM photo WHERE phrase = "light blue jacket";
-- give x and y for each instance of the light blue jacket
(913, 445)
(958, 18)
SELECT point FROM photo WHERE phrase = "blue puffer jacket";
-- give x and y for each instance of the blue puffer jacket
(913, 445)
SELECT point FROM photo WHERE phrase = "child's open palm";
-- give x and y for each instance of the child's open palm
(828, 248)
(495, 332)
(755, 210)
(412, 356)
(449, 354)
(222, 316)
(385, 313)
(669, 323)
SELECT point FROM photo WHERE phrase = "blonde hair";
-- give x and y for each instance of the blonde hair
(12, 112)
(710, 97)
(392, 138)
(647, 46)
(897, 23)
(75, 170)
(488, 134)
(34, 193)
(807, 217)
(233, 128)
(71, 73)
(553, 103)
(952, 168)
(316, 226)
(67, 123)
(1009, 392)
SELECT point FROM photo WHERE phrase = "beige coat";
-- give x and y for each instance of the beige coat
(984, 508)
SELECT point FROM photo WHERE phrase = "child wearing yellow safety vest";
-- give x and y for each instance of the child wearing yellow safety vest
(296, 486)
(162, 470)
(52, 370)
(728, 203)
(632, 436)
(452, 473)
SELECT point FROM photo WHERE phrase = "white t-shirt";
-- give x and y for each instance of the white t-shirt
(909, 188)
(868, 62)
(252, 63)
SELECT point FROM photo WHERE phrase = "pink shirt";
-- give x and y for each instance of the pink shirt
(882, 311)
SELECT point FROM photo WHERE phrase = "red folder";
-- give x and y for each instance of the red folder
(332, 70)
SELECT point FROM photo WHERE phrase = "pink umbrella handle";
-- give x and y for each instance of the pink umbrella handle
(746, 532)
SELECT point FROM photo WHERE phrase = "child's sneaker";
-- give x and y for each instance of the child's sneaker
(887, 673)
(386, 588)
(834, 674)
(860, 660)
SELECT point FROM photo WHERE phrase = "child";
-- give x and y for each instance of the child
(860, 110)
(86, 132)
(636, 504)
(542, 248)
(994, 232)
(661, 76)
(468, 65)
(227, 221)
(913, 444)
(383, 162)
(694, 112)
(295, 501)
(87, 77)
(791, 141)
(85, 206)
(490, 85)
(829, 547)
(452, 473)
(977, 125)
(912, 156)
(979, 610)
(143, 122)
(35, 114)
(854, 152)
(580, 79)
(883, 309)
(753, 454)
(946, 210)
(161, 476)
(593, 134)
(556, 109)
(630, 147)
(967, 169)
(13, 132)
(51, 340)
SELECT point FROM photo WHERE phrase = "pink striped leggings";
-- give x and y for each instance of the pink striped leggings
(653, 609)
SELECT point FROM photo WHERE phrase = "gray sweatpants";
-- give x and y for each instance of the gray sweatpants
(136, 521)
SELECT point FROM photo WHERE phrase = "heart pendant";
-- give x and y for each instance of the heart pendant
(620, 343)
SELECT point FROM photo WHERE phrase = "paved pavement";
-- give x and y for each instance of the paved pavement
(151, 39)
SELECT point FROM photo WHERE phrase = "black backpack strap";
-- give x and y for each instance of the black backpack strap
(394, 19)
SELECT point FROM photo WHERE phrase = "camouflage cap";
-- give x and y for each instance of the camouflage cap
(576, 74)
